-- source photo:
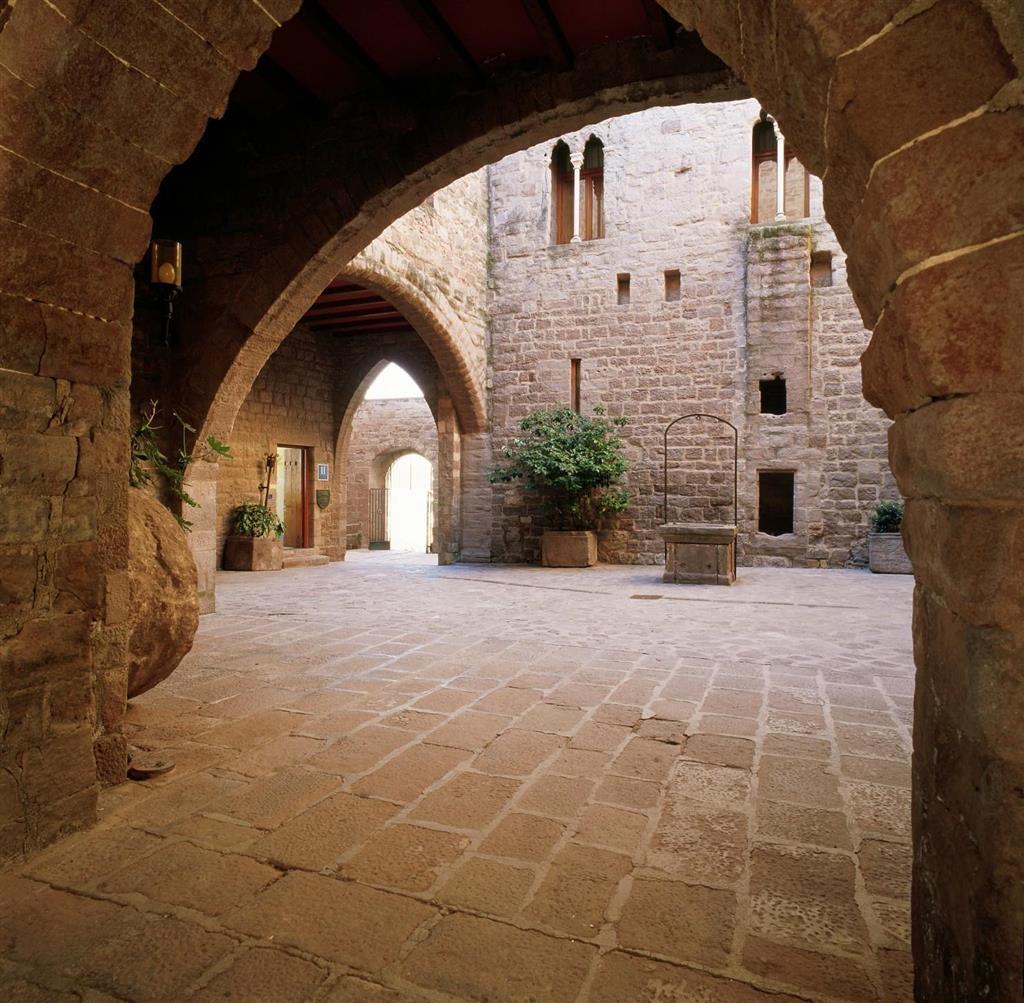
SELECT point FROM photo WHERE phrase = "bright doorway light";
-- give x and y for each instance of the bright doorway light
(392, 382)
(410, 513)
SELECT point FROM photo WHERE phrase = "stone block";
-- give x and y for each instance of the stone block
(699, 554)
(959, 450)
(900, 224)
(901, 86)
(46, 648)
(27, 403)
(950, 329)
(38, 266)
(23, 519)
(38, 464)
(18, 582)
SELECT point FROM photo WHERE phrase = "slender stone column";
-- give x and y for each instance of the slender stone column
(447, 515)
(780, 174)
(577, 166)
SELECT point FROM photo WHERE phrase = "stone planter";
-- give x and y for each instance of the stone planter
(699, 553)
(568, 548)
(253, 553)
(886, 555)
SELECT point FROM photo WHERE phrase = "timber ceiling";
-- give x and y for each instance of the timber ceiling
(343, 308)
(334, 50)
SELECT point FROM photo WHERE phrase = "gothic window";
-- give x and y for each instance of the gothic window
(592, 190)
(561, 194)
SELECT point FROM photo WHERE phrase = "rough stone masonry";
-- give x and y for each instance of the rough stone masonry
(682, 306)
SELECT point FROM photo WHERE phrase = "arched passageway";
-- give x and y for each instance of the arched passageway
(897, 106)
(309, 389)
(410, 503)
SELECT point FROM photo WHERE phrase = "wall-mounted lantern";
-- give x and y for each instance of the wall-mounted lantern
(165, 277)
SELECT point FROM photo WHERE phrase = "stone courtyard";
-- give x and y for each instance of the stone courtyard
(396, 781)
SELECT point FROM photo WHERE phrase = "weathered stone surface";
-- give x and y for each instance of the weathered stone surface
(699, 554)
(566, 549)
(162, 577)
(886, 555)
(247, 553)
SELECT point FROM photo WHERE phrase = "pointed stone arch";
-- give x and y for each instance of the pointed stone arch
(894, 104)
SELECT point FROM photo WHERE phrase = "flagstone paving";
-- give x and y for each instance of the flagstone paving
(398, 782)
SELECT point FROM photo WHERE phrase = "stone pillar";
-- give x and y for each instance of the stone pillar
(780, 173)
(449, 476)
(577, 166)
(201, 481)
(477, 496)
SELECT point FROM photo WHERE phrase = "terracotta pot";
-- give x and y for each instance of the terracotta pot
(568, 548)
(253, 553)
(886, 555)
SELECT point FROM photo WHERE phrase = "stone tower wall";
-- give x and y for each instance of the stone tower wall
(677, 198)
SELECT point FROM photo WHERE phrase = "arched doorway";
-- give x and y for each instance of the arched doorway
(410, 504)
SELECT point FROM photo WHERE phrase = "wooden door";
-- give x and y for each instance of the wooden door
(291, 494)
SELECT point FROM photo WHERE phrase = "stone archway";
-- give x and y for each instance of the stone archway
(448, 470)
(453, 386)
(898, 106)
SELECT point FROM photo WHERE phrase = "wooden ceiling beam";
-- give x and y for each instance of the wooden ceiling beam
(344, 46)
(383, 310)
(378, 328)
(433, 24)
(661, 24)
(351, 304)
(291, 91)
(544, 22)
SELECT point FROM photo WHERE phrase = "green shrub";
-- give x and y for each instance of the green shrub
(251, 519)
(573, 463)
(887, 517)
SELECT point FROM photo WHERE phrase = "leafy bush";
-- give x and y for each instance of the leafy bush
(887, 517)
(573, 462)
(147, 458)
(251, 519)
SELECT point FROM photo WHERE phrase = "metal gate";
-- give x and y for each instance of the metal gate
(430, 522)
(379, 519)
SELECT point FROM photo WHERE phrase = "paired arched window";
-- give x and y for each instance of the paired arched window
(592, 190)
(764, 185)
(566, 216)
(562, 194)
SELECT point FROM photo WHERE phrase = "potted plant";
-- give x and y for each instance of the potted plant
(886, 555)
(255, 541)
(573, 462)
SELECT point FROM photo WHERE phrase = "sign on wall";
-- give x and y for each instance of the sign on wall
(323, 472)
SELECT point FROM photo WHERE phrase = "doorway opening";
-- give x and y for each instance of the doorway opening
(292, 495)
(410, 508)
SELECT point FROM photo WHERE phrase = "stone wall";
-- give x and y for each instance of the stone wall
(308, 394)
(292, 403)
(382, 431)
(677, 198)
(432, 263)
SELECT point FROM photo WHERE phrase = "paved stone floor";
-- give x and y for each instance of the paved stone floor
(398, 782)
